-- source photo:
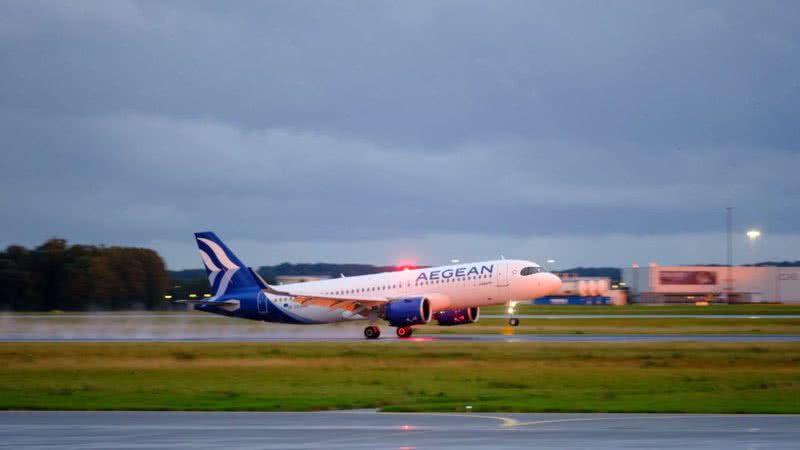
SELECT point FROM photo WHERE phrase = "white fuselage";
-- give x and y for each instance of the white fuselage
(447, 287)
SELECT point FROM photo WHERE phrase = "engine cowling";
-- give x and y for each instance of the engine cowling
(458, 316)
(409, 311)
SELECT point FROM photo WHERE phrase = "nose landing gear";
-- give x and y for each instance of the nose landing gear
(513, 321)
(372, 332)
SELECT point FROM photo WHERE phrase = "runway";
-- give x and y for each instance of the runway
(371, 430)
(740, 338)
(205, 327)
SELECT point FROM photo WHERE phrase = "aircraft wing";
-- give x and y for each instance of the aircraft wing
(350, 304)
(355, 305)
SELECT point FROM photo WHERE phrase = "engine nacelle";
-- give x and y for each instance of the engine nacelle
(458, 316)
(408, 311)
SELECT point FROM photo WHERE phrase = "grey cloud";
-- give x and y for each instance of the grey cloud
(152, 174)
(384, 121)
(624, 72)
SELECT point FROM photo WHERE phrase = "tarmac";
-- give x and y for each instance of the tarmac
(740, 338)
(372, 430)
(149, 327)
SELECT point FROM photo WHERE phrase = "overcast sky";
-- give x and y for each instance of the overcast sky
(591, 132)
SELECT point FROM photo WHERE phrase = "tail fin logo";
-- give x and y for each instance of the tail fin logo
(219, 253)
(216, 264)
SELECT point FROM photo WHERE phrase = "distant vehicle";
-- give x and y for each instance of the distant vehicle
(451, 295)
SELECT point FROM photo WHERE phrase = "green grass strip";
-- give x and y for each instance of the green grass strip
(408, 376)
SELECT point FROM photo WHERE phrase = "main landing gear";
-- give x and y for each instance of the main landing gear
(404, 332)
(372, 332)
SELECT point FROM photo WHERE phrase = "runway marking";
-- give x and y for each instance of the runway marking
(517, 423)
(510, 422)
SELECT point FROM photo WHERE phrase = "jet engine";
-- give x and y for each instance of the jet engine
(458, 316)
(408, 311)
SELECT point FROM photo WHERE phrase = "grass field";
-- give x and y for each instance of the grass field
(412, 376)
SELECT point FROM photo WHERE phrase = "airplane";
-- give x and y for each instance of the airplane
(451, 295)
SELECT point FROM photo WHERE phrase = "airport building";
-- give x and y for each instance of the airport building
(691, 284)
(577, 290)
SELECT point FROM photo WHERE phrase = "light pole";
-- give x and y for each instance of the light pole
(752, 236)
(729, 223)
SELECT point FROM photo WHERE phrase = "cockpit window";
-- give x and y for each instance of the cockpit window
(530, 271)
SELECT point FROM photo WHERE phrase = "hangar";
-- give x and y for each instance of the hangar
(689, 284)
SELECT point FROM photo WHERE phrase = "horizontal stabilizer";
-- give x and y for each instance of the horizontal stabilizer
(227, 305)
(193, 301)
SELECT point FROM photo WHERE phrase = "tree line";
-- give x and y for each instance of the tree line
(58, 276)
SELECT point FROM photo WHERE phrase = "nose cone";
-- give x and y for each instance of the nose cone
(553, 283)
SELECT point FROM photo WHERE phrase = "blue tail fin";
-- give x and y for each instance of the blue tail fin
(226, 272)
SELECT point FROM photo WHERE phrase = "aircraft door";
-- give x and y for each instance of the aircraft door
(502, 274)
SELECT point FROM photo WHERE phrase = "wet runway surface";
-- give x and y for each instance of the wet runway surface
(370, 430)
(149, 327)
(742, 338)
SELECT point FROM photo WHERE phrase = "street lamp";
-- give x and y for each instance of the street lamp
(753, 235)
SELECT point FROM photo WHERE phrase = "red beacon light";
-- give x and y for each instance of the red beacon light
(405, 265)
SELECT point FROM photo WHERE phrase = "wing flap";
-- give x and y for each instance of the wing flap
(348, 304)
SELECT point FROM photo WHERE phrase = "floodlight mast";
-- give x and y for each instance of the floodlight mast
(729, 223)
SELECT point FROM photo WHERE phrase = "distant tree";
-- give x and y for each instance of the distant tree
(55, 275)
(15, 278)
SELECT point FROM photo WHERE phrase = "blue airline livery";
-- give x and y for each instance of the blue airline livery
(450, 295)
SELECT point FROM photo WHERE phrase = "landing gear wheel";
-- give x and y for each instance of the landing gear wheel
(372, 332)
(513, 321)
(404, 332)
